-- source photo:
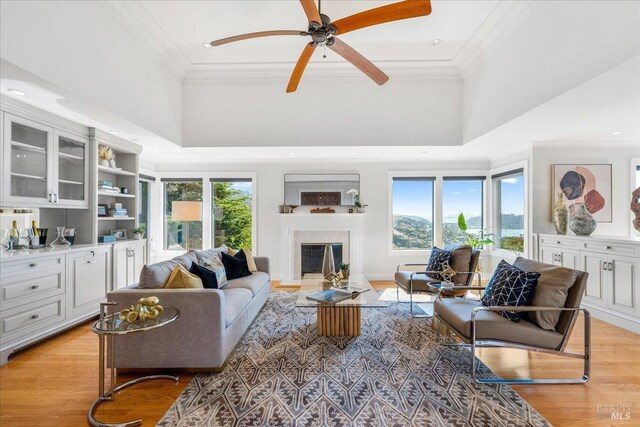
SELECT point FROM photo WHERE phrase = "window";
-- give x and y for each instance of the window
(144, 203)
(461, 195)
(182, 214)
(509, 231)
(231, 212)
(412, 210)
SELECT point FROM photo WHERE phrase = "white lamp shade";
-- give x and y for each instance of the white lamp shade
(186, 211)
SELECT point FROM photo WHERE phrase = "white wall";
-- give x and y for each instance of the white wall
(377, 263)
(558, 46)
(87, 49)
(619, 156)
(347, 112)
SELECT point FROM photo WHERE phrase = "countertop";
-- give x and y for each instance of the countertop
(48, 250)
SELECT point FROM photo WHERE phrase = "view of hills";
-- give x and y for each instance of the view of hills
(414, 232)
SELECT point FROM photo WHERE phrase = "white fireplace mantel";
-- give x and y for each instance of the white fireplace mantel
(331, 224)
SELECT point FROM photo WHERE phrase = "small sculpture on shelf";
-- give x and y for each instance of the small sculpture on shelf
(560, 215)
(145, 308)
(105, 155)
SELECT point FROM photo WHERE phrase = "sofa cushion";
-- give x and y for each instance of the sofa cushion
(438, 261)
(181, 278)
(154, 276)
(553, 286)
(209, 253)
(246, 255)
(420, 281)
(510, 286)
(215, 265)
(208, 277)
(490, 325)
(235, 300)
(460, 261)
(253, 283)
(234, 267)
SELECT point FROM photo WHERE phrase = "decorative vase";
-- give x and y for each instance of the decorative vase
(328, 264)
(560, 215)
(104, 162)
(137, 236)
(113, 163)
(581, 222)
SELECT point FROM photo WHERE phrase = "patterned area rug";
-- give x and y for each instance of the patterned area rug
(394, 374)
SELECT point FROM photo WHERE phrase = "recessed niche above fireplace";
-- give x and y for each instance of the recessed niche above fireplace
(320, 189)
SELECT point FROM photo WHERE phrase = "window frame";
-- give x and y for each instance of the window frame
(254, 218)
(406, 175)
(207, 197)
(163, 182)
(483, 203)
(496, 175)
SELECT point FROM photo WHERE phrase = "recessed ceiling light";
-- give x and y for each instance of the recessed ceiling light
(206, 45)
(114, 132)
(436, 42)
(16, 92)
(291, 154)
(616, 132)
(352, 153)
(423, 152)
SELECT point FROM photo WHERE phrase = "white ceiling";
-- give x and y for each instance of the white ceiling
(177, 29)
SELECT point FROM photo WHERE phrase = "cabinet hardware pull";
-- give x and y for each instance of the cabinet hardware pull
(604, 266)
(33, 264)
(56, 197)
(50, 197)
(611, 266)
(557, 242)
(35, 286)
(35, 316)
(609, 247)
(91, 261)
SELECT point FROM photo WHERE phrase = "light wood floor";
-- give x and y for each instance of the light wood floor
(54, 382)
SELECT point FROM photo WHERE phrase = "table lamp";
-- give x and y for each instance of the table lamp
(186, 211)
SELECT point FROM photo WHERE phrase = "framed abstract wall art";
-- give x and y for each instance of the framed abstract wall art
(588, 184)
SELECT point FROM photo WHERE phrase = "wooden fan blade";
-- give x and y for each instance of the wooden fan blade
(391, 12)
(300, 66)
(258, 34)
(311, 10)
(362, 63)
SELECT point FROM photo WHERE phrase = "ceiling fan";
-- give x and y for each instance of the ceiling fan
(323, 32)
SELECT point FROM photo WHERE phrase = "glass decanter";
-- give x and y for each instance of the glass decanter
(60, 240)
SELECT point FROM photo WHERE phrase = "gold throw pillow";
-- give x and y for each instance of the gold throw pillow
(181, 278)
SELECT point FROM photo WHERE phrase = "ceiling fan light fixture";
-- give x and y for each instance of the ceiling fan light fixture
(16, 92)
(616, 132)
(206, 45)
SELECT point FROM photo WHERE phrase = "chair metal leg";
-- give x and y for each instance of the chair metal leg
(586, 356)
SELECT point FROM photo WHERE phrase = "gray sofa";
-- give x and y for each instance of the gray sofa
(210, 324)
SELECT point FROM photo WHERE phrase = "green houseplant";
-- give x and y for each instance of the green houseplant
(138, 233)
(472, 240)
(344, 270)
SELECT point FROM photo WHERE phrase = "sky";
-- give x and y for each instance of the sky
(415, 198)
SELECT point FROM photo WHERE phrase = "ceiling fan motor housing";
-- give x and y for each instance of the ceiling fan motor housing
(323, 34)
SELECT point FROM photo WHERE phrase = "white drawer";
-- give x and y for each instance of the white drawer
(31, 264)
(558, 242)
(20, 322)
(25, 288)
(611, 248)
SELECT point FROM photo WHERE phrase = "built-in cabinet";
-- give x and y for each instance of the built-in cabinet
(43, 166)
(128, 260)
(88, 279)
(613, 287)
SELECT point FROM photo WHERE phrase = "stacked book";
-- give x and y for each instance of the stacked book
(118, 211)
(107, 187)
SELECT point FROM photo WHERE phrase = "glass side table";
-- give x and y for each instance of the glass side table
(107, 327)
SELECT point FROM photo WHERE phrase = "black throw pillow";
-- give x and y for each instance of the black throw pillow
(438, 261)
(208, 277)
(511, 286)
(235, 266)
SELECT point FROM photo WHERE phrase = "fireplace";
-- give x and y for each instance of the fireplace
(312, 255)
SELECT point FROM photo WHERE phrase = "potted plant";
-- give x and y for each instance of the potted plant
(356, 200)
(138, 233)
(344, 270)
(476, 242)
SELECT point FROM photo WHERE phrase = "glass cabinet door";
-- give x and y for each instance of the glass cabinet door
(27, 160)
(72, 157)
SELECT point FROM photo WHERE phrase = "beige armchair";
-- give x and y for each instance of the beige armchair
(477, 325)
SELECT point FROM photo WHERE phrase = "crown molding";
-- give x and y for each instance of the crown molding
(402, 71)
(142, 23)
(585, 144)
(500, 23)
